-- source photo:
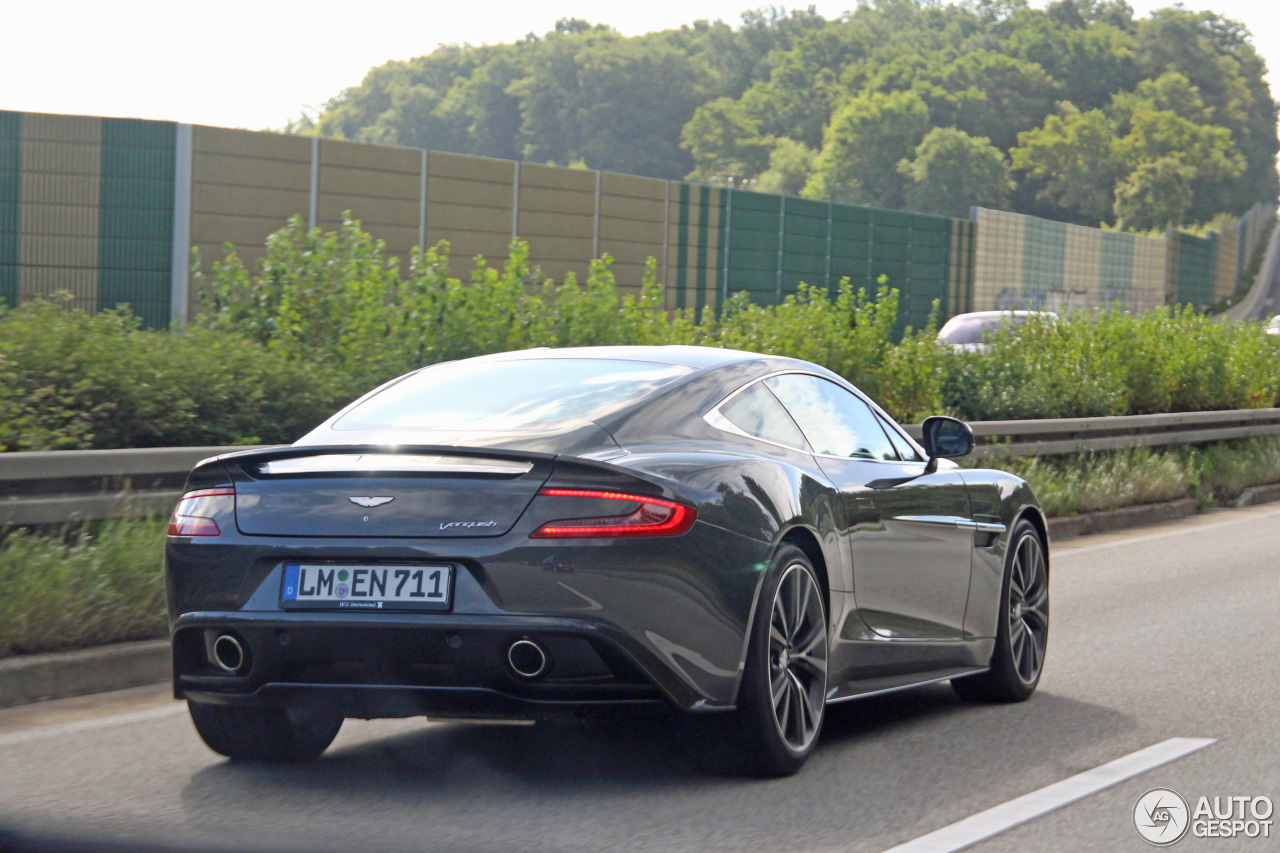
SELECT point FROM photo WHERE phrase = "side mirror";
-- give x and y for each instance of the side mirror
(945, 438)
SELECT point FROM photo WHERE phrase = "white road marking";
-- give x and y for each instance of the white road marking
(1028, 807)
(91, 725)
(1068, 551)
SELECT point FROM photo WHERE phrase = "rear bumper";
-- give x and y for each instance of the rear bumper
(420, 664)
(669, 615)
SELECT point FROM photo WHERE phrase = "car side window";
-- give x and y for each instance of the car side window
(904, 448)
(835, 421)
(757, 412)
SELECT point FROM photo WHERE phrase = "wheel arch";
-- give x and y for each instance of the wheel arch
(1035, 516)
(807, 541)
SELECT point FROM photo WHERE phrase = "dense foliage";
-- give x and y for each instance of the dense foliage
(70, 381)
(325, 316)
(1077, 111)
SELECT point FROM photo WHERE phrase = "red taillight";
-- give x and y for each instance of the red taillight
(654, 517)
(190, 525)
(184, 524)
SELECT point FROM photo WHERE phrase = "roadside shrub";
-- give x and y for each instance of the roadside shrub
(72, 381)
(325, 316)
(337, 298)
(1091, 364)
(1041, 369)
(1225, 470)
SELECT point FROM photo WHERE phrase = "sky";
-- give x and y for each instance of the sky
(257, 64)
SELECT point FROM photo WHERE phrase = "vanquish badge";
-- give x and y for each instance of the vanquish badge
(366, 501)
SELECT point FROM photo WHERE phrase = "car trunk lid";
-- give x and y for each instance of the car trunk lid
(435, 492)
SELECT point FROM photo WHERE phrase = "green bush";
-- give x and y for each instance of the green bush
(337, 298)
(1096, 363)
(72, 381)
(326, 316)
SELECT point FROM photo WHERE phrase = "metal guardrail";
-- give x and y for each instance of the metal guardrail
(1050, 436)
(62, 486)
(59, 486)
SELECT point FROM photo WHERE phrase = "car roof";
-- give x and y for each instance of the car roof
(684, 356)
(1019, 312)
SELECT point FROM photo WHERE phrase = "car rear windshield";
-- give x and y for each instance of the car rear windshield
(978, 328)
(968, 330)
(526, 394)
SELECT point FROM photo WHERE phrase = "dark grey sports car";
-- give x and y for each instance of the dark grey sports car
(557, 531)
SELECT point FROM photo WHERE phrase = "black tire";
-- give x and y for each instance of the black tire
(267, 733)
(799, 664)
(1021, 641)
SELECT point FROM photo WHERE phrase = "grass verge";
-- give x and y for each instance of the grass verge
(82, 586)
(1087, 482)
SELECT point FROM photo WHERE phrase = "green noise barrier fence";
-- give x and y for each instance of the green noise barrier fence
(10, 190)
(771, 244)
(108, 210)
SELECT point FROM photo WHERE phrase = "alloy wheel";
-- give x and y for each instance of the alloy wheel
(1028, 608)
(797, 657)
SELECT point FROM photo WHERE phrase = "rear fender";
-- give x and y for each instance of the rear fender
(999, 495)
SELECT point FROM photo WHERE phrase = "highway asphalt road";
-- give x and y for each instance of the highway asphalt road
(1158, 633)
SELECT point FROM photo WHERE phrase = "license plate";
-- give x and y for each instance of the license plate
(337, 587)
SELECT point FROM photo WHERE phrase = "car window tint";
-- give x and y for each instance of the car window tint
(904, 448)
(757, 412)
(516, 394)
(835, 421)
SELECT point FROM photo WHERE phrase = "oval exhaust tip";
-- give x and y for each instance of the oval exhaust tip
(228, 653)
(527, 658)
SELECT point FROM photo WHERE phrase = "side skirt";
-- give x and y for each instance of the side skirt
(891, 684)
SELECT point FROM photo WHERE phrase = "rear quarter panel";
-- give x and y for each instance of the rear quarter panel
(1009, 498)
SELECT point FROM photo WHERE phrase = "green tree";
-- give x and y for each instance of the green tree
(953, 170)
(549, 94)
(985, 93)
(1160, 134)
(791, 165)
(1171, 92)
(859, 157)
(633, 98)
(1155, 195)
(1215, 55)
(736, 58)
(710, 100)
(1091, 51)
(1071, 159)
(724, 140)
